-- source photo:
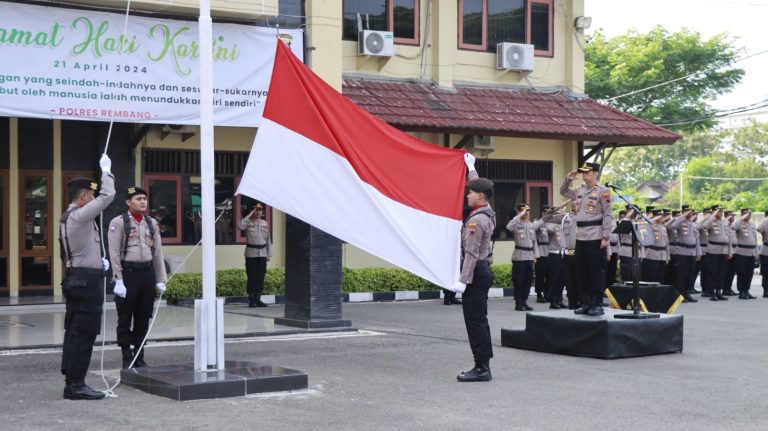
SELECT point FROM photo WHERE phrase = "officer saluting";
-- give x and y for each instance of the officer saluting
(83, 285)
(594, 223)
(745, 252)
(137, 268)
(475, 278)
(258, 251)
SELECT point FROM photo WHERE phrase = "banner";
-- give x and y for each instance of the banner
(75, 64)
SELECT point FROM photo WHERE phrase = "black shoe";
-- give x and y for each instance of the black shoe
(596, 310)
(540, 299)
(454, 300)
(127, 356)
(519, 306)
(750, 296)
(477, 374)
(743, 295)
(554, 306)
(260, 304)
(713, 298)
(688, 298)
(765, 294)
(730, 293)
(139, 362)
(706, 295)
(446, 300)
(720, 296)
(81, 391)
(694, 292)
(584, 309)
(527, 307)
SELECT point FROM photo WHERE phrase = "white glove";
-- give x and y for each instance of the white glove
(105, 263)
(160, 287)
(119, 289)
(105, 162)
(458, 287)
(469, 160)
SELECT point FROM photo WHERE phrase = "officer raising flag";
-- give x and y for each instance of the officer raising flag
(84, 278)
(138, 269)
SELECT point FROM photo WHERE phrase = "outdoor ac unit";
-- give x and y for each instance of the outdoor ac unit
(177, 128)
(481, 146)
(514, 56)
(378, 43)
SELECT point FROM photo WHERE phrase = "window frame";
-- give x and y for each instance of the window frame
(415, 41)
(148, 178)
(528, 36)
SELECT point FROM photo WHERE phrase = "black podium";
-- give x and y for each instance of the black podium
(653, 297)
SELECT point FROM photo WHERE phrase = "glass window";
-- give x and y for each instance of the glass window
(35, 144)
(35, 212)
(398, 16)
(540, 26)
(164, 197)
(405, 24)
(506, 22)
(472, 22)
(506, 196)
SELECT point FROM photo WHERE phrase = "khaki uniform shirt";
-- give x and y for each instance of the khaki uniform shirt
(140, 243)
(703, 237)
(564, 231)
(687, 236)
(256, 233)
(594, 206)
(542, 237)
(81, 231)
(476, 240)
(719, 235)
(746, 237)
(672, 236)
(660, 248)
(524, 236)
(763, 229)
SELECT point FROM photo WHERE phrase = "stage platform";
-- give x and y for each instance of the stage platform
(605, 337)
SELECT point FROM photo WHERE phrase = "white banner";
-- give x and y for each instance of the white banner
(75, 64)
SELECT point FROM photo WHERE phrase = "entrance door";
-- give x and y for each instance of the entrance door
(4, 215)
(537, 195)
(35, 231)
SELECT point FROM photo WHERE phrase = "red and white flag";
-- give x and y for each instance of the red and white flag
(321, 158)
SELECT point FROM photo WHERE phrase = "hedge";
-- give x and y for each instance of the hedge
(232, 282)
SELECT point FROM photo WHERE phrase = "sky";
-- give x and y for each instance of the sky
(747, 20)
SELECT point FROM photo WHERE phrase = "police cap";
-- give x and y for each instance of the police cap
(745, 210)
(481, 185)
(685, 207)
(523, 207)
(135, 191)
(650, 208)
(82, 183)
(586, 167)
(257, 206)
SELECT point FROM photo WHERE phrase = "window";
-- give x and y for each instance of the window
(485, 23)
(398, 16)
(164, 205)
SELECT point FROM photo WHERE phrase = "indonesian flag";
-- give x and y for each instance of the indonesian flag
(321, 158)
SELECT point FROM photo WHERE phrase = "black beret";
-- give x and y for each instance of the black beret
(135, 191)
(586, 167)
(480, 185)
(82, 183)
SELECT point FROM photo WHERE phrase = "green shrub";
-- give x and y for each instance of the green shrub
(232, 282)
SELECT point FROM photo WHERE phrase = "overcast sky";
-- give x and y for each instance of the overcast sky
(745, 19)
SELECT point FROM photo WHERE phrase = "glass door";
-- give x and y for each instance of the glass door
(35, 231)
(4, 215)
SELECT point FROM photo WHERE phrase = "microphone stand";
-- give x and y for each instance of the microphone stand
(624, 227)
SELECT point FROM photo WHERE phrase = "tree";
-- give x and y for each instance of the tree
(636, 61)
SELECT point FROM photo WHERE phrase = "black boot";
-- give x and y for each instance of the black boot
(139, 362)
(127, 356)
(688, 298)
(585, 306)
(81, 391)
(540, 298)
(251, 304)
(743, 295)
(258, 301)
(597, 306)
(519, 305)
(481, 373)
(749, 295)
(454, 300)
(446, 297)
(719, 295)
(526, 307)
(765, 292)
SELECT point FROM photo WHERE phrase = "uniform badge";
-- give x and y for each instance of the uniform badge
(471, 226)
(593, 194)
(590, 208)
(133, 233)
(607, 196)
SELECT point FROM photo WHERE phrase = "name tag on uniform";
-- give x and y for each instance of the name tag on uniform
(133, 233)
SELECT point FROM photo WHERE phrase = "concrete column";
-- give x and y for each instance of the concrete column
(575, 43)
(56, 264)
(14, 260)
(444, 39)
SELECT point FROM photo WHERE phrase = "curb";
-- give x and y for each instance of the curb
(400, 295)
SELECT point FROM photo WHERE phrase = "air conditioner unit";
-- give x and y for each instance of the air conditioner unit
(177, 128)
(481, 146)
(514, 56)
(378, 43)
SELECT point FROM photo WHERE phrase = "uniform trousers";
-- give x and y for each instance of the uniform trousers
(475, 307)
(610, 269)
(83, 290)
(707, 273)
(715, 268)
(670, 276)
(522, 278)
(555, 278)
(591, 260)
(625, 267)
(540, 268)
(255, 269)
(136, 308)
(745, 270)
(730, 274)
(654, 270)
(685, 273)
(764, 271)
(572, 280)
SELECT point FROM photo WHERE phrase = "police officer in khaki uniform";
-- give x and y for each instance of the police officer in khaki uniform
(763, 229)
(475, 278)
(523, 257)
(556, 266)
(540, 267)
(258, 251)
(719, 251)
(138, 268)
(594, 224)
(688, 252)
(745, 252)
(706, 289)
(83, 285)
(656, 254)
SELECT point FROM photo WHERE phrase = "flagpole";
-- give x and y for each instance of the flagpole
(208, 334)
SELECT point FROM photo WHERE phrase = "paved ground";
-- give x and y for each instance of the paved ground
(398, 373)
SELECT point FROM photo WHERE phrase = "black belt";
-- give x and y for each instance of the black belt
(704, 244)
(256, 246)
(717, 243)
(543, 243)
(85, 271)
(626, 245)
(655, 247)
(520, 247)
(686, 245)
(746, 246)
(613, 244)
(482, 262)
(589, 223)
(673, 244)
(137, 265)
(765, 243)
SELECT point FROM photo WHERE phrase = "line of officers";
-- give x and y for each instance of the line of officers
(716, 244)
